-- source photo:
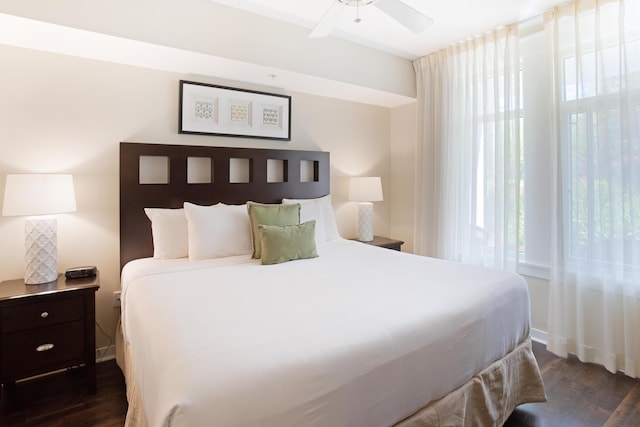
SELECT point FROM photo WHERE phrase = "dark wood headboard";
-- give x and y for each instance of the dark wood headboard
(135, 227)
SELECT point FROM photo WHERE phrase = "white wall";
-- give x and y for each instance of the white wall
(65, 114)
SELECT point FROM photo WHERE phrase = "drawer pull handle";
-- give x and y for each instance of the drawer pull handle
(44, 314)
(44, 347)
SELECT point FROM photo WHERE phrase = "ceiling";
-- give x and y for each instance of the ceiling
(454, 20)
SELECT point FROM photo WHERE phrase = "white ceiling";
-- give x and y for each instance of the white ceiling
(454, 20)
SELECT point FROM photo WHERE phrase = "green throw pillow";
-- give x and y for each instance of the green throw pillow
(281, 244)
(270, 215)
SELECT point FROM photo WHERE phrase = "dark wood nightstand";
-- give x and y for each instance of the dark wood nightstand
(384, 242)
(47, 327)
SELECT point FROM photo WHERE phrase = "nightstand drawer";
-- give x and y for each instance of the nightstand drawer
(42, 349)
(45, 313)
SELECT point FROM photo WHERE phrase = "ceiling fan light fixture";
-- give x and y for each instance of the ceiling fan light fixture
(356, 3)
(410, 18)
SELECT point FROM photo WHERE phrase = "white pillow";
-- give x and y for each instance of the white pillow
(169, 231)
(310, 210)
(217, 231)
(321, 210)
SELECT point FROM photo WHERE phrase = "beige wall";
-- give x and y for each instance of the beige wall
(65, 114)
(402, 177)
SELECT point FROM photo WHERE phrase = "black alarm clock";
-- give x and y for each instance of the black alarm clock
(78, 272)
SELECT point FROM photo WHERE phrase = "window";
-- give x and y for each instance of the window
(599, 147)
(602, 151)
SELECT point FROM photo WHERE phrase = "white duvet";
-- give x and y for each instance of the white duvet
(360, 336)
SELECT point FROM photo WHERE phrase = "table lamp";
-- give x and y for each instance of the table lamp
(38, 196)
(365, 190)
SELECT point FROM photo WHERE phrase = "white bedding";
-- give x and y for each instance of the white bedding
(360, 336)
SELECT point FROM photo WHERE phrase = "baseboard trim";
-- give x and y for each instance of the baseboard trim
(539, 336)
(104, 354)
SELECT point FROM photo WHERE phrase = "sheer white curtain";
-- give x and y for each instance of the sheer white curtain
(469, 151)
(594, 303)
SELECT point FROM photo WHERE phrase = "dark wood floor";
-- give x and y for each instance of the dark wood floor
(60, 400)
(579, 395)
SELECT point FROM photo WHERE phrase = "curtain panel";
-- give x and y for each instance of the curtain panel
(594, 301)
(468, 152)
(469, 189)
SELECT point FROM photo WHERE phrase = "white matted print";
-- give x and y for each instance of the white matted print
(239, 112)
(218, 110)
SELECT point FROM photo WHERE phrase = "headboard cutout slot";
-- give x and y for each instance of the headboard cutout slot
(199, 170)
(277, 170)
(240, 171)
(309, 171)
(153, 170)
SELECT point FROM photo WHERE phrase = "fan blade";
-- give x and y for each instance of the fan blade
(328, 20)
(404, 14)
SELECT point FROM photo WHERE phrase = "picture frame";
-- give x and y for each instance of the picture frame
(207, 109)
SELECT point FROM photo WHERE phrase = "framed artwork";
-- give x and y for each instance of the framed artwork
(225, 111)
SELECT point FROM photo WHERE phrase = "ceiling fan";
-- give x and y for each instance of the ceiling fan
(404, 14)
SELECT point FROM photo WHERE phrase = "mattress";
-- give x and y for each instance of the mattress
(360, 336)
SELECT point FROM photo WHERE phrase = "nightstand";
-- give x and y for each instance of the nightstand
(47, 327)
(384, 242)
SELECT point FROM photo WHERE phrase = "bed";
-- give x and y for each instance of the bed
(352, 335)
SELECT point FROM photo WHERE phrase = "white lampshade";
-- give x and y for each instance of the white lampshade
(38, 194)
(35, 195)
(365, 189)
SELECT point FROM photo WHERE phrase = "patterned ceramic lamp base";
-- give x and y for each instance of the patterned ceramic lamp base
(365, 221)
(41, 255)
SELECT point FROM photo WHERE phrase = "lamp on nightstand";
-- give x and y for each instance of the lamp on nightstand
(39, 196)
(365, 190)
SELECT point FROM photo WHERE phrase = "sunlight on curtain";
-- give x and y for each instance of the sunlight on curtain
(470, 142)
(594, 301)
